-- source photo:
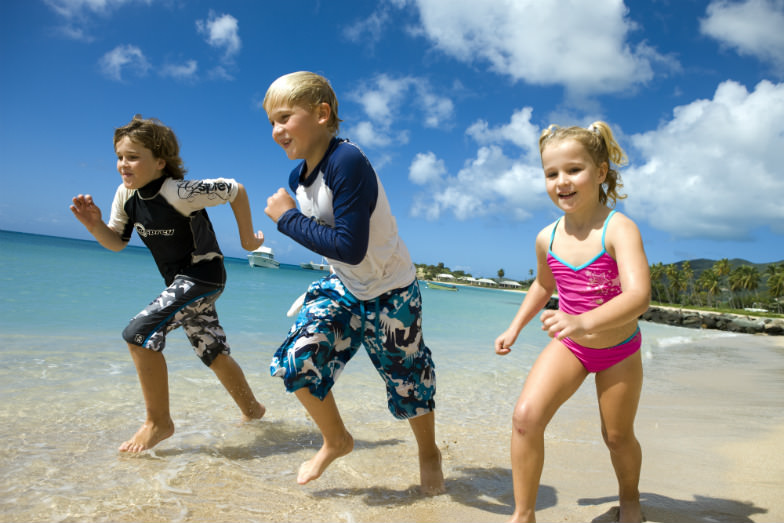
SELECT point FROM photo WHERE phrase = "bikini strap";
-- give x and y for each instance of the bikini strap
(604, 230)
(552, 235)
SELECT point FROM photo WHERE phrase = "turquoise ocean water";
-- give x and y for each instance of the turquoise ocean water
(69, 396)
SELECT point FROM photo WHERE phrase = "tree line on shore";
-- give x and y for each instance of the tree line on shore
(733, 284)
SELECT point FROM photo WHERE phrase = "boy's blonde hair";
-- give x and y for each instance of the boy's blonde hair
(304, 89)
(599, 142)
(161, 140)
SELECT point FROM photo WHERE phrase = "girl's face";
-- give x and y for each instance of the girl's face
(136, 164)
(300, 132)
(572, 179)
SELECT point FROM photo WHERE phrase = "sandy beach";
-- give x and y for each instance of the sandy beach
(712, 453)
(711, 417)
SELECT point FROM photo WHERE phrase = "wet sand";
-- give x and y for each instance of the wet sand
(711, 423)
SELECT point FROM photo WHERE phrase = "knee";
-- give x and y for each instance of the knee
(619, 441)
(527, 419)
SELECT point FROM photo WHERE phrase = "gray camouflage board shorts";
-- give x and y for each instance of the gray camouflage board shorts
(185, 303)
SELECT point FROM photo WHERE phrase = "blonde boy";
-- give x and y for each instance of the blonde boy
(371, 298)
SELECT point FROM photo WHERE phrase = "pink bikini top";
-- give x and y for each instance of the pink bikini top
(583, 288)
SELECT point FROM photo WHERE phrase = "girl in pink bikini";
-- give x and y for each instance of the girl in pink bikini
(594, 257)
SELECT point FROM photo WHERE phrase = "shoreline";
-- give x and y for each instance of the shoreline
(680, 317)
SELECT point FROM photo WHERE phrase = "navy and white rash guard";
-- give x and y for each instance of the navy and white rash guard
(345, 216)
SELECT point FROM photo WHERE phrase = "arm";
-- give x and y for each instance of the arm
(535, 299)
(242, 214)
(85, 210)
(354, 191)
(624, 244)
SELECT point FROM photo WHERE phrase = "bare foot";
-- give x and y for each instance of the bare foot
(630, 512)
(147, 437)
(257, 411)
(431, 478)
(315, 466)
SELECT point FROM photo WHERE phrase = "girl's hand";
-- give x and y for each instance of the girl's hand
(560, 325)
(503, 343)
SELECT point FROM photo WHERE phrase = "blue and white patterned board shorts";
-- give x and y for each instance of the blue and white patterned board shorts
(332, 325)
(185, 303)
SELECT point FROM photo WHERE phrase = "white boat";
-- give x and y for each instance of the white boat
(323, 266)
(263, 257)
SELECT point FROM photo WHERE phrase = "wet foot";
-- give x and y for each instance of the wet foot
(431, 477)
(257, 411)
(149, 435)
(315, 466)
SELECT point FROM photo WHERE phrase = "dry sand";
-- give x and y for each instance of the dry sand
(713, 447)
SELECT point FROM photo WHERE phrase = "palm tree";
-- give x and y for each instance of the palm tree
(676, 283)
(500, 274)
(744, 278)
(776, 284)
(709, 282)
(657, 274)
(688, 277)
(722, 268)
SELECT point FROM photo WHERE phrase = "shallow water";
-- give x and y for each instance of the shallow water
(69, 396)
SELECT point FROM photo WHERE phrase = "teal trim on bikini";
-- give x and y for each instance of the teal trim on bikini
(588, 263)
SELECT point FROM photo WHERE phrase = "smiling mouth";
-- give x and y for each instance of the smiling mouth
(566, 195)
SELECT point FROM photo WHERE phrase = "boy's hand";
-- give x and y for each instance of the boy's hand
(86, 211)
(278, 204)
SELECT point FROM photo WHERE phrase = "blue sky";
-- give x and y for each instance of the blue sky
(446, 97)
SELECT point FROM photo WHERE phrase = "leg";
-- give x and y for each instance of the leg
(154, 380)
(555, 376)
(233, 379)
(337, 440)
(431, 478)
(618, 389)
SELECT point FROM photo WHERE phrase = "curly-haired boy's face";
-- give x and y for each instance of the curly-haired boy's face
(136, 163)
(302, 133)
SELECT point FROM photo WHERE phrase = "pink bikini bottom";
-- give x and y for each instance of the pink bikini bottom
(597, 360)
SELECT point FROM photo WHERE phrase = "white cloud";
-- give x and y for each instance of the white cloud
(426, 168)
(78, 8)
(368, 135)
(76, 14)
(752, 27)
(221, 32)
(519, 131)
(185, 71)
(124, 58)
(387, 100)
(581, 45)
(714, 169)
(493, 182)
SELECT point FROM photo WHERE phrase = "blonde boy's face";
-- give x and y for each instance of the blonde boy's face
(302, 133)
